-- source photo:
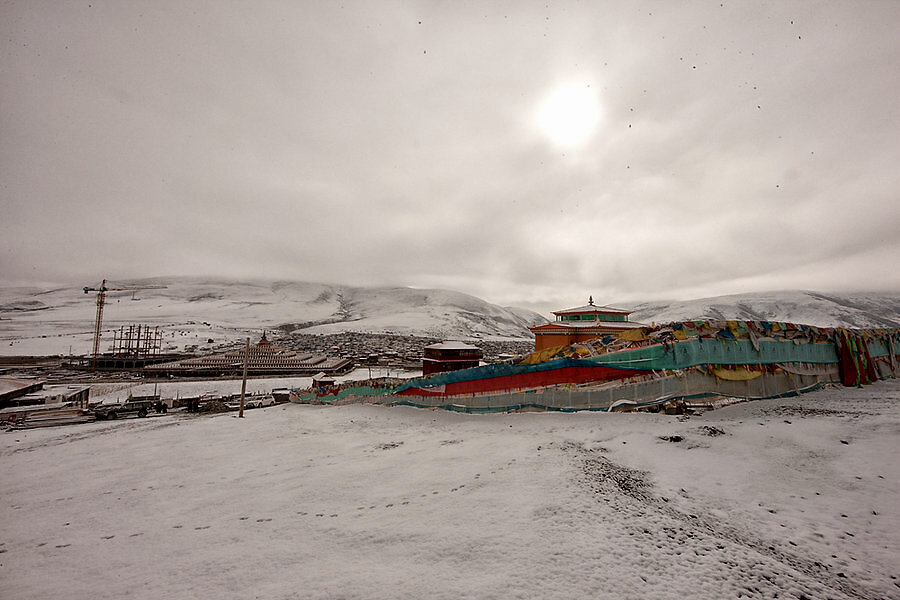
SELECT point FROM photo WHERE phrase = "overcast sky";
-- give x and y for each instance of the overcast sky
(522, 152)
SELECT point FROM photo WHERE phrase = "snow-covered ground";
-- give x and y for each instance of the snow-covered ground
(779, 498)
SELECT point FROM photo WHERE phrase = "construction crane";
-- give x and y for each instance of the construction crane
(101, 301)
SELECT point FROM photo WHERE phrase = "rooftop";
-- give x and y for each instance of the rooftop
(10, 384)
(590, 307)
(452, 346)
(592, 325)
(262, 356)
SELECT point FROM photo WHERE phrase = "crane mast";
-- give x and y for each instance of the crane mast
(101, 300)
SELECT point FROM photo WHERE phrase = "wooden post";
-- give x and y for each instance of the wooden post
(244, 382)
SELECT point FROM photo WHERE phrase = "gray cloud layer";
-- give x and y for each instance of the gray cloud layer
(741, 146)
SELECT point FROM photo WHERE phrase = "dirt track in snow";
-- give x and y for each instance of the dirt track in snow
(694, 539)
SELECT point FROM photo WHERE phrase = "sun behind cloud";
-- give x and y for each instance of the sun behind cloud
(569, 114)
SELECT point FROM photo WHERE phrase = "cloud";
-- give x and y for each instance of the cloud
(736, 145)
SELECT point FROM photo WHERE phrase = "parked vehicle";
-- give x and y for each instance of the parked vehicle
(259, 401)
(138, 408)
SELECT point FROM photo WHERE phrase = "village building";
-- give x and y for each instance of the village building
(574, 325)
(12, 390)
(74, 395)
(450, 356)
(323, 381)
(32, 392)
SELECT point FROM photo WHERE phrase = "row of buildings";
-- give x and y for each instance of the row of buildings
(262, 358)
(571, 326)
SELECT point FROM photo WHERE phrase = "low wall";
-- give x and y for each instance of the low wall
(652, 371)
(684, 386)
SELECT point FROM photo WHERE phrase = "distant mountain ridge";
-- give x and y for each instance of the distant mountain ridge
(207, 313)
(402, 310)
(192, 311)
(860, 310)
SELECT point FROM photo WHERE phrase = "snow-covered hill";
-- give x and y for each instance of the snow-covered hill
(193, 311)
(190, 311)
(811, 308)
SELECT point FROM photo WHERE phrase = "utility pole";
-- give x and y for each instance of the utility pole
(244, 382)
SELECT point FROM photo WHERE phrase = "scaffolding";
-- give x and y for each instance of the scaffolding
(137, 341)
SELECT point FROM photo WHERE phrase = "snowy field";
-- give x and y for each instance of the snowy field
(794, 498)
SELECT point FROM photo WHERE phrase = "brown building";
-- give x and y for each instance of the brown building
(450, 356)
(580, 324)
